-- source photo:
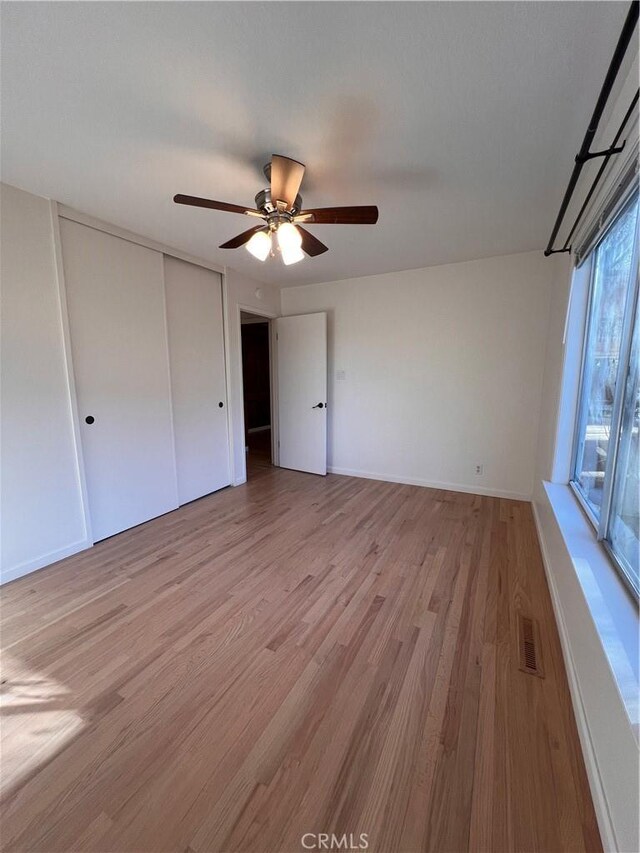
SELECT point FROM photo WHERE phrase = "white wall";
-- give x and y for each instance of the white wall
(242, 292)
(554, 349)
(41, 499)
(443, 371)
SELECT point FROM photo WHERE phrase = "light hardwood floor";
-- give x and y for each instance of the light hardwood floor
(300, 654)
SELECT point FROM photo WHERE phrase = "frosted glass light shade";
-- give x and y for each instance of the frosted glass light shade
(291, 255)
(289, 237)
(260, 245)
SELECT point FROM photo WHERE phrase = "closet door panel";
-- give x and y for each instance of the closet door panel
(117, 320)
(196, 353)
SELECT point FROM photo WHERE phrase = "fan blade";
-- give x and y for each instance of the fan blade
(286, 177)
(364, 215)
(241, 239)
(310, 244)
(194, 201)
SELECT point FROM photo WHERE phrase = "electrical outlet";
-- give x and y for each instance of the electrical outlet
(479, 470)
(341, 375)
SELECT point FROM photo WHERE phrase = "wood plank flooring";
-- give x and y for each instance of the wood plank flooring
(297, 655)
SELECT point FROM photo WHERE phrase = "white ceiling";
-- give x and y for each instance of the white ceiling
(460, 120)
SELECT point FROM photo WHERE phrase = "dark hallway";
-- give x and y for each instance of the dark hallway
(256, 391)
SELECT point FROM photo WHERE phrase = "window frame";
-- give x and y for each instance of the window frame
(603, 523)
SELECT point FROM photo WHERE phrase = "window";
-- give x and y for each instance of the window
(606, 460)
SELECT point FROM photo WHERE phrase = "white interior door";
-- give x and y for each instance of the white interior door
(302, 392)
(116, 304)
(196, 356)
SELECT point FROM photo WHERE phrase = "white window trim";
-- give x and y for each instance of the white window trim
(601, 524)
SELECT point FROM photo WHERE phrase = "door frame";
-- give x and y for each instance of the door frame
(270, 317)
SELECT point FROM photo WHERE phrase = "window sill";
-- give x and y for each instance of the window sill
(624, 573)
(613, 610)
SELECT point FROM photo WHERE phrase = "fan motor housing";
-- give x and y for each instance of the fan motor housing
(264, 203)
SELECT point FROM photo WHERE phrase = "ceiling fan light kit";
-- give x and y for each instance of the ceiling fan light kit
(280, 206)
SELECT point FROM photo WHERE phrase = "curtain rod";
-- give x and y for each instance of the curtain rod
(585, 154)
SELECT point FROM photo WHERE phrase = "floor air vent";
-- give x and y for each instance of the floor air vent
(529, 646)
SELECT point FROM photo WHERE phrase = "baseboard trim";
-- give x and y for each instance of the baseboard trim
(605, 824)
(431, 484)
(43, 561)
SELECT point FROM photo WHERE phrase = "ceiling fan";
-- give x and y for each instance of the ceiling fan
(280, 207)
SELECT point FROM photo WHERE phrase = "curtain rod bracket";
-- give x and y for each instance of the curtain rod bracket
(548, 252)
(582, 158)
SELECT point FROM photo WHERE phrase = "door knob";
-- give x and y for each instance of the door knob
(220, 404)
(318, 406)
(89, 419)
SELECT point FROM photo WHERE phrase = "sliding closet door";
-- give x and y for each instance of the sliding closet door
(196, 351)
(117, 322)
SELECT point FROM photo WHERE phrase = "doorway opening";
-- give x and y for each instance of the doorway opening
(256, 392)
